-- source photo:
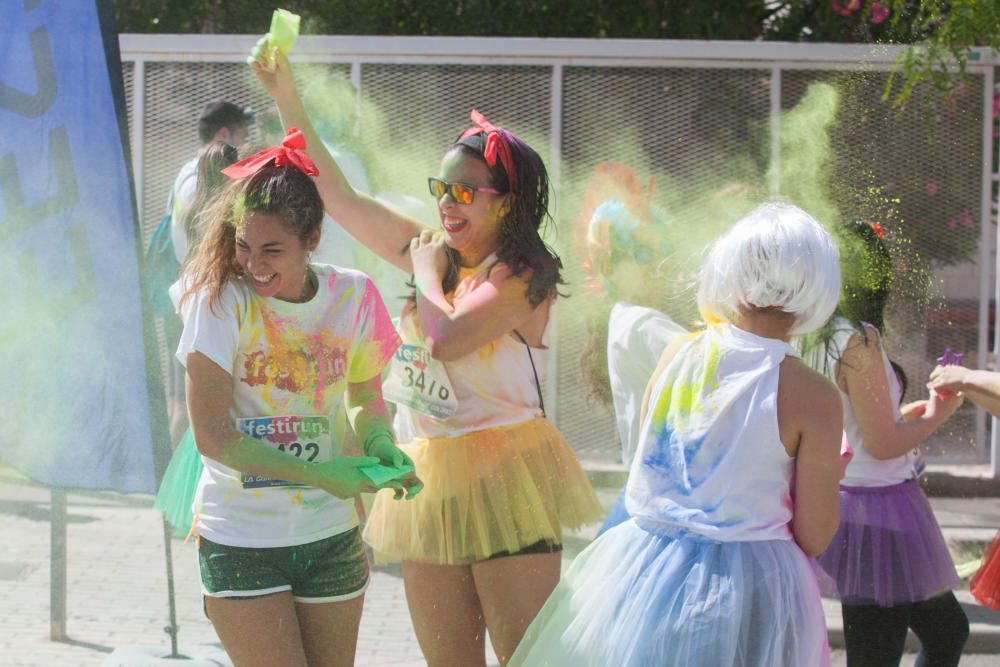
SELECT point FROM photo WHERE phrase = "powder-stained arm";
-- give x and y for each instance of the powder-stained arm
(209, 399)
(495, 308)
(384, 231)
(370, 420)
(861, 372)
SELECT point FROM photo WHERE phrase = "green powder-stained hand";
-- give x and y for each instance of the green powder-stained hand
(284, 30)
(342, 476)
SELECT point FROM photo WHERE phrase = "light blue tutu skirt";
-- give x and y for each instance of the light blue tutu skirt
(617, 515)
(635, 598)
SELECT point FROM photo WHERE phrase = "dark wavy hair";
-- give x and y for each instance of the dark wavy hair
(866, 267)
(521, 223)
(283, 191)
(866, 283)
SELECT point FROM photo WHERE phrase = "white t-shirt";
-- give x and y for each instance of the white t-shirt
(181, 197)
(290, 364)
(637, 337)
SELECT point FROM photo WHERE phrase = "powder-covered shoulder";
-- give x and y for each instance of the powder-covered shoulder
(338, 274)
(355, 285)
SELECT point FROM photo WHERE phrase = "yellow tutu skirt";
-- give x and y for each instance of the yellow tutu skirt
(485, 493)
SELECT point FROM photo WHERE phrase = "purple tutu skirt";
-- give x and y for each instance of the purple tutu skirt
(888, 549)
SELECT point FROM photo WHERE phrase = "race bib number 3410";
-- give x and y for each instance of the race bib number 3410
(307, 438)
(420, 382)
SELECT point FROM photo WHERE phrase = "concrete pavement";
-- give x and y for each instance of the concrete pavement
(117, 597)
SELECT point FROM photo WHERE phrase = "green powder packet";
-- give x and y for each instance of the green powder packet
(381, 474)
(284, 30)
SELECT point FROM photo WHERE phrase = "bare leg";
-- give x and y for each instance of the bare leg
(512, 591)
(446, 614)
(330, 631)
(262, 631)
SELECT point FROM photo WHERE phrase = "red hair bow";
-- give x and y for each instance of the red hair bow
(497, 144)
(289, 152)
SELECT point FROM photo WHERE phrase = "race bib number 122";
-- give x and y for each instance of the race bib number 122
(307, 438)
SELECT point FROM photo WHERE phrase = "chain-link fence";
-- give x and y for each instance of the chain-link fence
(702, 120)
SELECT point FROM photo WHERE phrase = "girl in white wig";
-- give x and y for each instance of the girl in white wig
(712, 567)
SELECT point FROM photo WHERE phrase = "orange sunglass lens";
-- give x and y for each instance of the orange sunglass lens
(461, 193)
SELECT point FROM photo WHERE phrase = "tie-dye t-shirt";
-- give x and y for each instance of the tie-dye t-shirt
(494, 385)
(290, 364)
(710, 460)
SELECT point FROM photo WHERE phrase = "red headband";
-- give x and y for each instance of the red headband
(497, 144)
(289, 152)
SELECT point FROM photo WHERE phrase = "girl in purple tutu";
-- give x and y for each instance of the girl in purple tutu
(889, 559)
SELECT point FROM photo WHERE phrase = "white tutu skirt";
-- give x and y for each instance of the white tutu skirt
(637, 598)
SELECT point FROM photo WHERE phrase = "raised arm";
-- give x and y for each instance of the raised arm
(209, 398)
(861, 372)
(384, 231)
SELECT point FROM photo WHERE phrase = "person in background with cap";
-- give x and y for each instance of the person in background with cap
(219, 121)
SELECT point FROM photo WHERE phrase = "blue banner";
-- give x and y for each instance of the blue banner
(76, 404)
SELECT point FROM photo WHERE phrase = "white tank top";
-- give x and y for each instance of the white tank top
(864, 469)
(494, 385)
(710, 459)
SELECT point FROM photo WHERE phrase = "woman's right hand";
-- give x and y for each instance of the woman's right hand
(948, 379)
(342, 478)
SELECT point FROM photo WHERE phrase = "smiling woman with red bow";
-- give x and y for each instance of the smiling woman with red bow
(277, 351)
(481, 545)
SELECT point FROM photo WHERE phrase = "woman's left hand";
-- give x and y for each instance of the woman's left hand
(389, 454)
(429, 254)
(913, 410)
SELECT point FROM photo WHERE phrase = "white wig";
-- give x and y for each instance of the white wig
(776, 257)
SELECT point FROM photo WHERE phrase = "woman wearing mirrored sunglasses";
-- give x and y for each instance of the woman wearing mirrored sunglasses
(480, 546)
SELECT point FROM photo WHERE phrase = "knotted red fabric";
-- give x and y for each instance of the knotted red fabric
(497, 144)
(289, 152)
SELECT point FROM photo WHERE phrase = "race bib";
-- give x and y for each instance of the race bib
(420, 383)
(919, 463)
(306, 438)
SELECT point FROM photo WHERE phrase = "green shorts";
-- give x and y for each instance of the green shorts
(329, 570)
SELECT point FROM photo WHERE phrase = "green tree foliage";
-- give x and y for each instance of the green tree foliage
(940, 31)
